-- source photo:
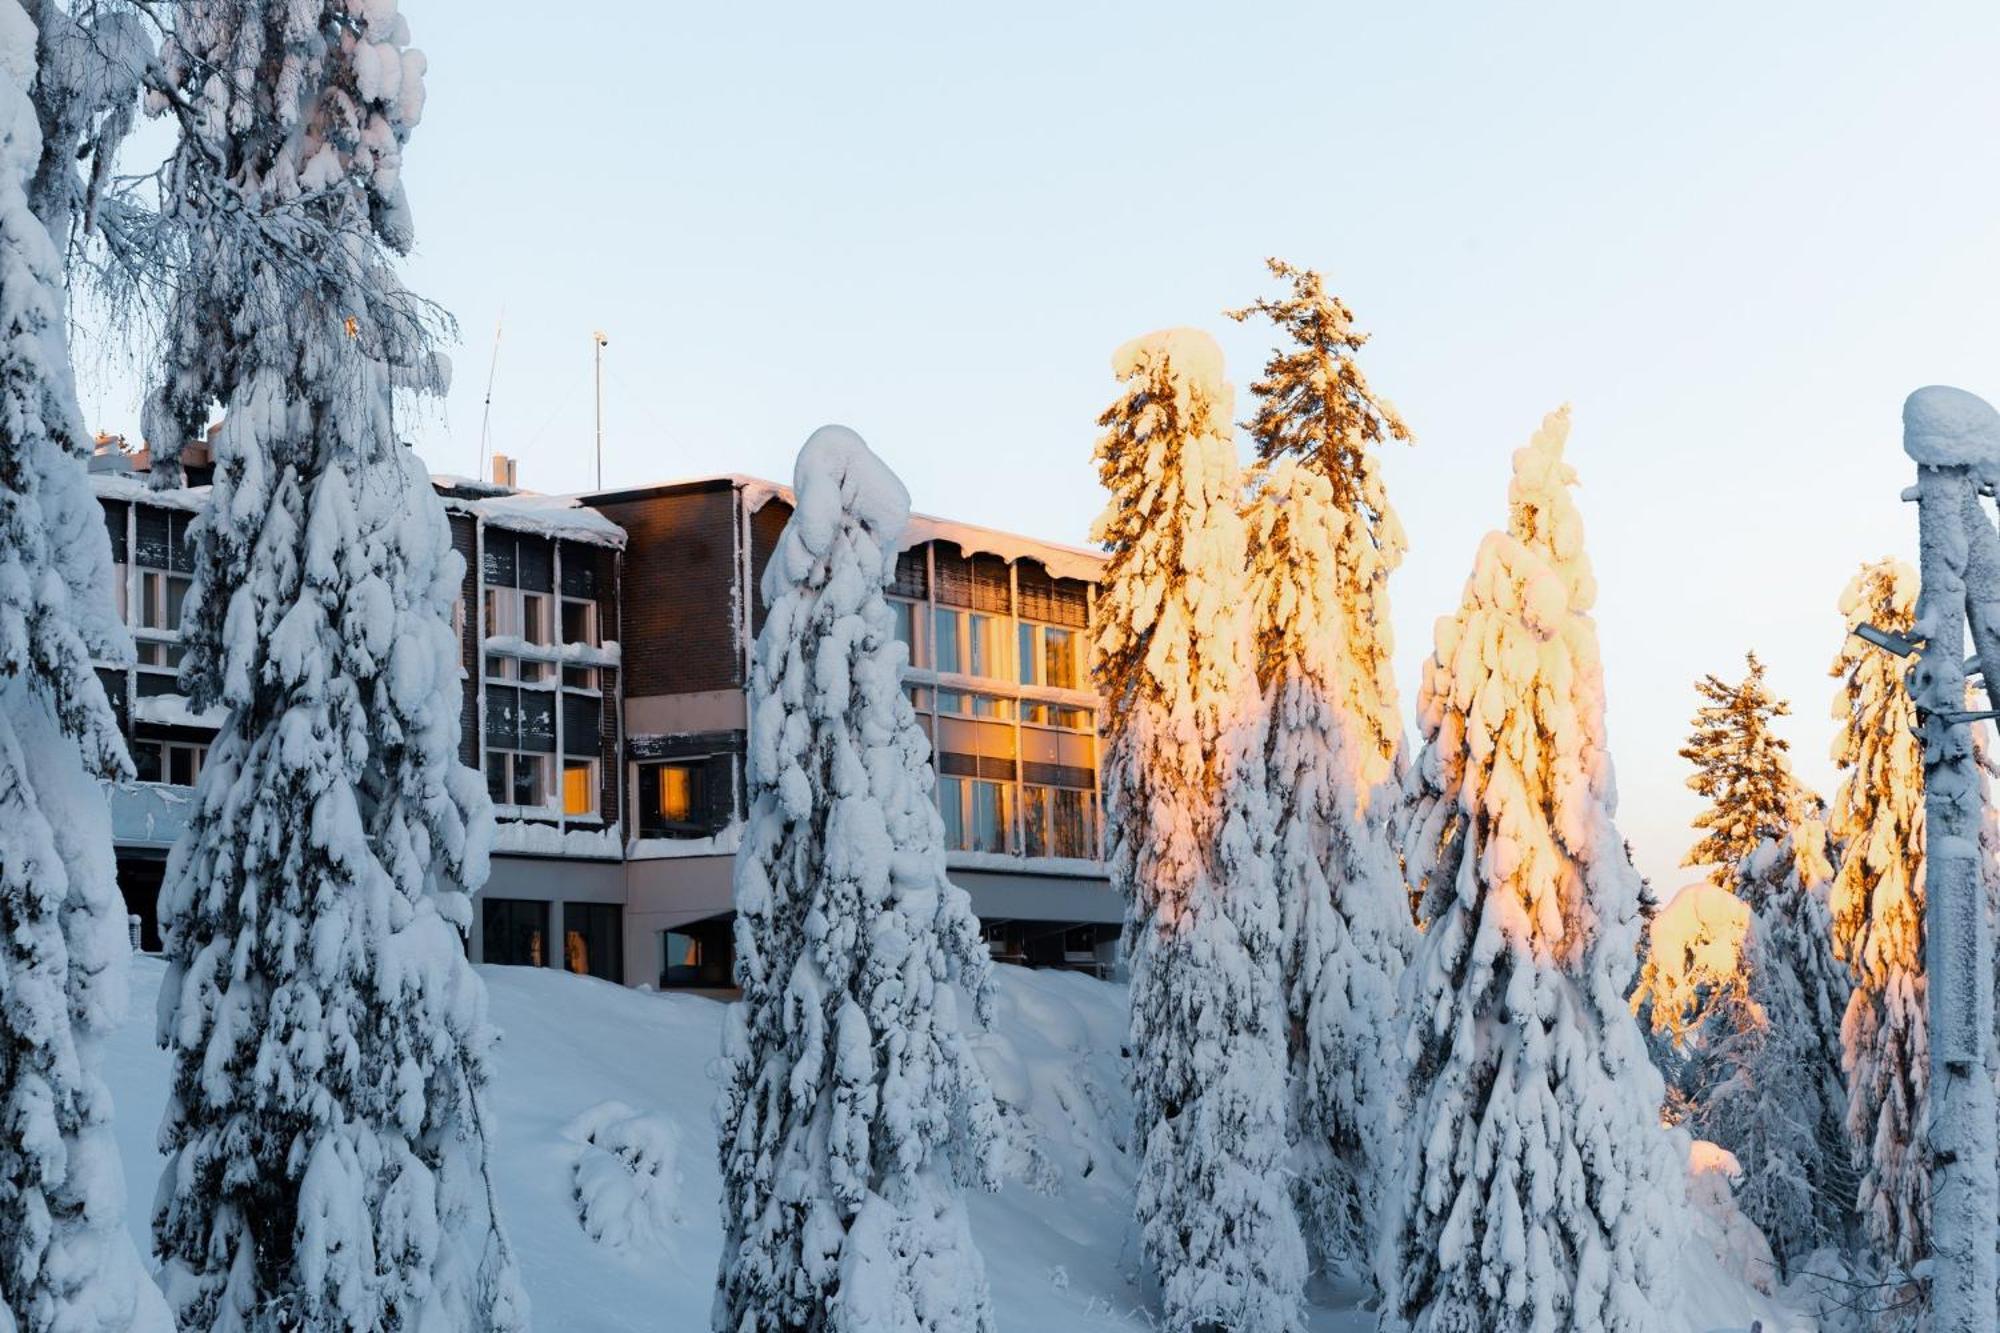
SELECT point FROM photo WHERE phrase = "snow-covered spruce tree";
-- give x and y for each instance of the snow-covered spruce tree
(1314, 405)
(1343, 911)
(1324, 542)
(1774, 1093)
(852, 1106)
(324, 1132)
(1741, 769)
(65, 1260)
(1539, 1190)
(1877, 905)
(1184, 795)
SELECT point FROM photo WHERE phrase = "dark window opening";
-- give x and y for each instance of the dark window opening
(594, 940)
(514, 932)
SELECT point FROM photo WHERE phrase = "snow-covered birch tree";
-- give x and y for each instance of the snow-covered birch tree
(1539, 1191)
(65, 1260)
(1877, 906)
(1183, 771)
(853, 1108)
(325, 1136)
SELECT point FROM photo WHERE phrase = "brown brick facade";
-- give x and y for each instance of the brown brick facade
(677, 584)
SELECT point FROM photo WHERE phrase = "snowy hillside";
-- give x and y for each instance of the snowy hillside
(1057, 1240)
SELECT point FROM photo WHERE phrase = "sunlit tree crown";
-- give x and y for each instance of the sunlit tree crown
(1743, 770)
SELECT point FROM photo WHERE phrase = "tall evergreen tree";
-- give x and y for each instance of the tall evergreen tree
(1877, 905)
(1741, 768)
(1185, 800)
(1773, 1093)
(65, 1261)
(851, 1100)
(1539, 1191)
(324, 1133)
(1343, 913)
(1315, 405)
(1323, 542)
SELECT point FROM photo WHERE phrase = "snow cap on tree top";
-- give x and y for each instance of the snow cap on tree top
(1947, 427)
(836, 474)
(1540, 514)
(1193, 353)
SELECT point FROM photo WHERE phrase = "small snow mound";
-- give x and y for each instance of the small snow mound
(837, 472)
(1947, 427)
(1739, 1247)
(627, 1178)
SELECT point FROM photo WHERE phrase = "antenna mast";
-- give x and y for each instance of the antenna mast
(486, 415)
(597, 341)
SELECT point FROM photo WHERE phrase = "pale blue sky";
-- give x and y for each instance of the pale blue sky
(1734, 236)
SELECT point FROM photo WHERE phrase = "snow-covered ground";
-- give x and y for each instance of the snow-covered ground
(1057, 1240)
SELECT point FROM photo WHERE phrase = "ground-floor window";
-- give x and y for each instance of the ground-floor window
(593, 940)
(514, 931)
(698, 954)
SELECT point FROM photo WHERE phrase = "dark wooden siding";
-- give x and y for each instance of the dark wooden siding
(676, 591)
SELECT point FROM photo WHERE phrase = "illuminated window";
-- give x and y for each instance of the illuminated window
(579, 786)
(677, 784)
(687, 798)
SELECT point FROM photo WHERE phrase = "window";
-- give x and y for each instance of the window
(593, 940)
(161, 596)
(680, 959)
(520, 747)
(696, 954)
(691, 797)
(177, 763)
(527, 670)
(579, 787)
(514, 932)
(906, 629)
(945, 629)
(987, 646)
(1050, 656)
(1059, 821)
(513, 614)
(579, 621)
(523, 780)
(978, 816)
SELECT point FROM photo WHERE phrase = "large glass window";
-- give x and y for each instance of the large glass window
(520, 748)
(907, 622)
(514, 614)
(696, 954)
(177, 763)
(947, 627)
(514, 931)
(978, 816)
(593, 940)
(692, 797)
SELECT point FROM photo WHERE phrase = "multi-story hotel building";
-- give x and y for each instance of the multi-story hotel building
(606, 653)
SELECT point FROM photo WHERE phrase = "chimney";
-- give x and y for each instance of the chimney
(503, 471)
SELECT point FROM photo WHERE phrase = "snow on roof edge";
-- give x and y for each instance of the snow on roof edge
(561, 516)
(133, 488)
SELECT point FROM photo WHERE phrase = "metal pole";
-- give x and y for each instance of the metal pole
(1956, 539)
(597, 341)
